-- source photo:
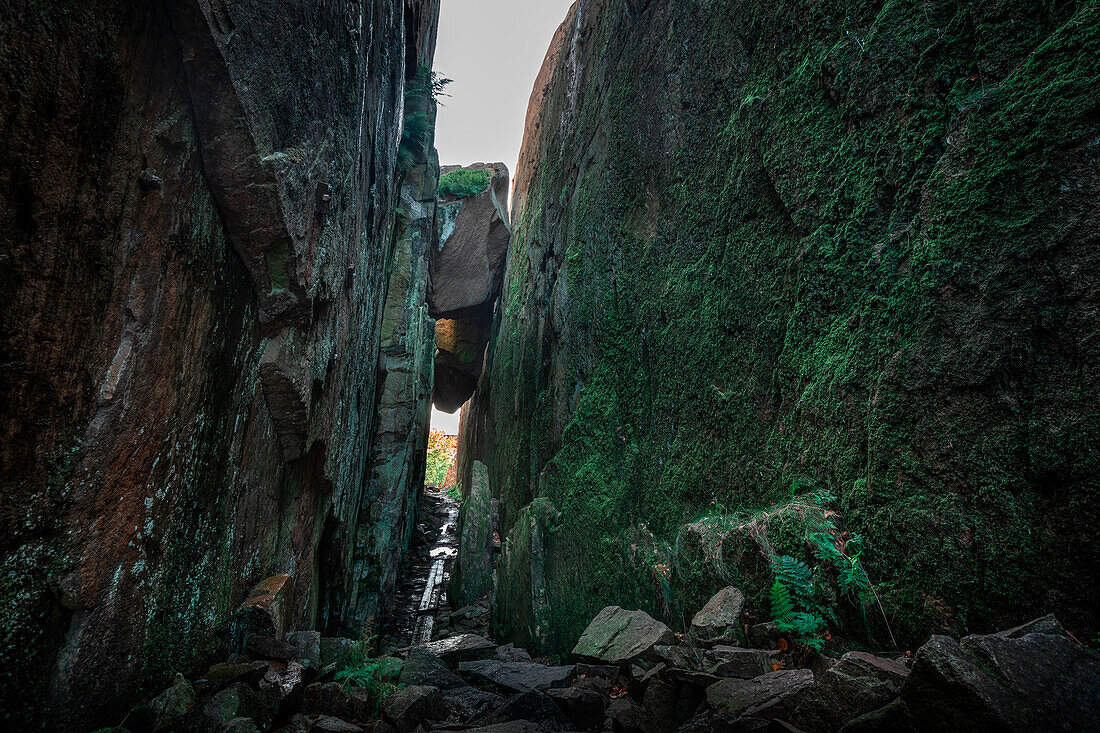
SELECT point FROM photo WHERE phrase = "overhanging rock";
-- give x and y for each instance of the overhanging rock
(467, 266)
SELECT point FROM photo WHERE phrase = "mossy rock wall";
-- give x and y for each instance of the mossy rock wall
(844, 246)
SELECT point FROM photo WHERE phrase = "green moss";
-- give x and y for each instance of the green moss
(836, 267)
(463, 183)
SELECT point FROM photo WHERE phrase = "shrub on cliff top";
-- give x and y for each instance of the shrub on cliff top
(463, 183)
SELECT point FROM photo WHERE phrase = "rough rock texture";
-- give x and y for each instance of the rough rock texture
(618, 636)
(466, 270)
(991, 683)
(719, 621)
(850, 246)
(472, 575)
(198, 212)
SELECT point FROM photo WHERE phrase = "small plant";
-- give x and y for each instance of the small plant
(463, 183)
(361, 669)
(794, 578)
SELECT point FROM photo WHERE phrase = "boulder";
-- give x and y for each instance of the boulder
(1044, 625)
(266, 611)
(730, 661)
(268, 647)
(413, 705)
(583, 707)
(719, 621)
(1029, 682)
(625, 716)
(857, 684)
(241, 701)
(775, 694)
(531, 705)
(659, 704)
(329, 724)
(512, 726)
(226, 673)
(510, 653)
(618, 636)
(285, 678)
(469, 703)
(240, 725)
(172, 709)
(461, 648)
(306, 646)
(517, 676)
(342, 701)
(423, 668)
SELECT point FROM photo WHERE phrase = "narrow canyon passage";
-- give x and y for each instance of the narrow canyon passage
(644, 366)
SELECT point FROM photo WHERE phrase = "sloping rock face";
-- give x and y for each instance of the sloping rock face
(847, 245)
(199, 230)
(466, 271)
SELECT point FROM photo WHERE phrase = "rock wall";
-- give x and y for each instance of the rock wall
(199, 210)
(766, 248)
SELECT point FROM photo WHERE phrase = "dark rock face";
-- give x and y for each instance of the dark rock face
(763, 244)
(199, 225)
(1034, 682)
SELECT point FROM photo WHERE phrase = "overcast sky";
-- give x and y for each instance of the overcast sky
(493, 50)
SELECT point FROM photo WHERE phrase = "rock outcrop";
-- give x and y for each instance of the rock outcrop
(850, 248)
(466, 271)
(200, 276)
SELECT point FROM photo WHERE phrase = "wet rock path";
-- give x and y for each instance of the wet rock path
(421, 592)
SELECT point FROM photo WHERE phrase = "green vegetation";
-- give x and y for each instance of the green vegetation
(848, 265)
(441, 454)
(463, 183)
(372, 674)
(421, 94)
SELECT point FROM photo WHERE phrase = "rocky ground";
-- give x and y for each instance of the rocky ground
(630, 673)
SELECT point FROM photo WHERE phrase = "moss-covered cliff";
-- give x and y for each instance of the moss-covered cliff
(764, 248)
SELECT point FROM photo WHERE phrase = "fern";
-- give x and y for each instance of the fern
(795, 575)
(781, 601)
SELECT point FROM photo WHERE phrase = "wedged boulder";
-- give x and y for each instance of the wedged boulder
(583, 707)
(413, 705)
(423, 668)
(461, 648)
(532, 705)
(857, 684)
(995, 683)
(517, 676)
(266, 611)
(775, 694)
(719, 621)
(618, 636)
